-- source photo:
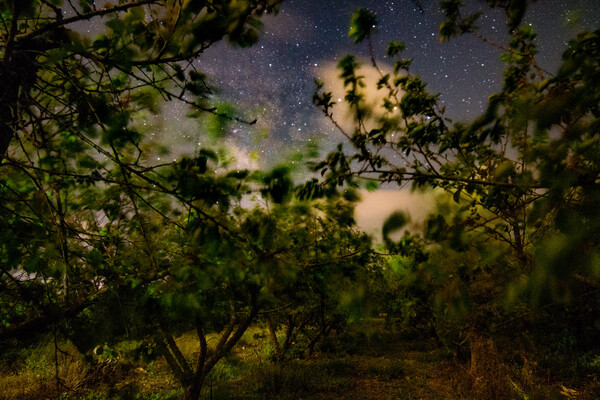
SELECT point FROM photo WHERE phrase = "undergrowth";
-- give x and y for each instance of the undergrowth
(364, 361)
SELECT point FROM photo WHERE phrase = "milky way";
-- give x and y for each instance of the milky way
(274, 80)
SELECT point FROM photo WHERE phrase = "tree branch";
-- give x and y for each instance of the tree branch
(87, 16)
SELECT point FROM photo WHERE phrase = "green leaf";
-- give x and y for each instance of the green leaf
(179, 74)
(394, 48)
(371, 186)
(364, 23)
(117, 25)
(456, 195)
(55, 56)
(219, 122)
(86, 5)
(395, 222)
(504, 170)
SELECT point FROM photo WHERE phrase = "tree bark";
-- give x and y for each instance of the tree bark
(18, 74)
(310, 348)
(9, 92)
(274, 341)
(194, 389)
(289, 333)
(193, 381)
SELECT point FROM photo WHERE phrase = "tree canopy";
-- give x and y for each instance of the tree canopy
(524, 176)
(101, 242)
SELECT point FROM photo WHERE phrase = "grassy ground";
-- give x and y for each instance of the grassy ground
(367, 363)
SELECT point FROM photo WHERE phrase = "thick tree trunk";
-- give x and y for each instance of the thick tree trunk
(192, 380)
(289, 333)
(310, 349)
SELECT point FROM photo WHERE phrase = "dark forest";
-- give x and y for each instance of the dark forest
(136, 266)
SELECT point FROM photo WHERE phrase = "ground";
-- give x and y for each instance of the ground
(362, 364)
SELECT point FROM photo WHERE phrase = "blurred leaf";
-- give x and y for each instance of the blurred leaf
(364, 23)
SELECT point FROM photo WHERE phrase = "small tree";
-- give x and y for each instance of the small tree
(328, 256)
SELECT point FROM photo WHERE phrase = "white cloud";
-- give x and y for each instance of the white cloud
(329, 74)
(241, 158)
(375, 207)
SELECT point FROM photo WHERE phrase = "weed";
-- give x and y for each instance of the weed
(385, 369)
(301, 379)
(226, 369)
(368, 362)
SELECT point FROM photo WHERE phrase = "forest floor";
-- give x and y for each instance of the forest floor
(415, 369)
(423, 375)
(355, 366)
(380, 365)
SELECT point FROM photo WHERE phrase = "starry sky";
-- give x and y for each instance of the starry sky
(273, 81)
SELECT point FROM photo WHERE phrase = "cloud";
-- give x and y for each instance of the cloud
(241, 157)
(375, 207)
(329, 74)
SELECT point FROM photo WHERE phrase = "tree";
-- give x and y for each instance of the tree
(524, 175)
(56, 78)
(100, 241)
(70, 103)
(212, 277)
(89, 217)
(328, 257)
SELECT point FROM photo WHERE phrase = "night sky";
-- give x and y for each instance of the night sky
(273, 81)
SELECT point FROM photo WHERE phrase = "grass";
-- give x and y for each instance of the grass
(366, 362)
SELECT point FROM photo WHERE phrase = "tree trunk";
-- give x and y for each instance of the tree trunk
(193, 390)
(289, 334)
(486, 368)
(19, 73)
(193, 381)
(274, 341)
(9, 88)
(310, 349)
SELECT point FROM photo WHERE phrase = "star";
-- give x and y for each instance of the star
(273, 81)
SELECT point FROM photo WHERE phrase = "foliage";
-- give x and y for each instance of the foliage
(101, 240)
(77, 171)
(329, 257)
(363, 24)
(370, 361)
(524, 176)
